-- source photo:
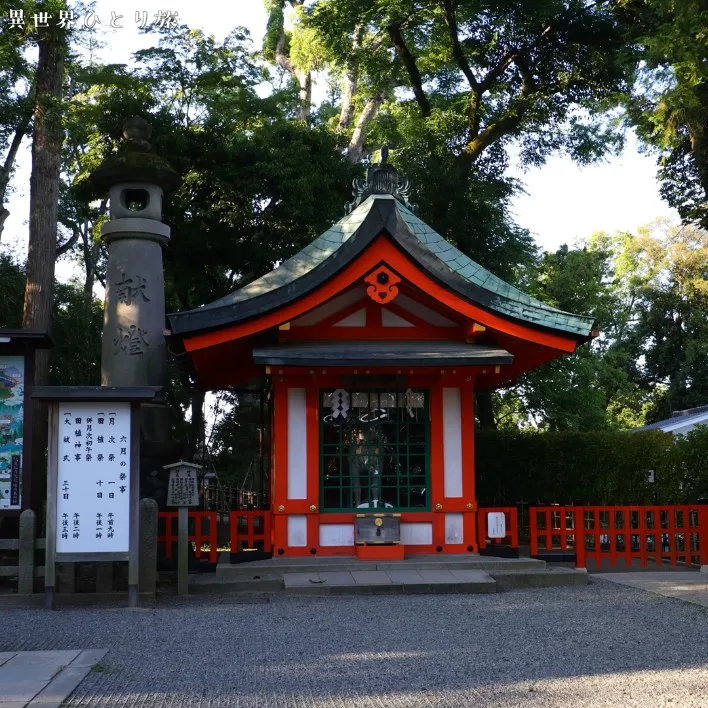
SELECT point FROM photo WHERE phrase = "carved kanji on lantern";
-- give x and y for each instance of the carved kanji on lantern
(382, 285)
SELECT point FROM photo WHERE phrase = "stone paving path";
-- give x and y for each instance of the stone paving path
(601, 644)
(689, 587)
(42, 679)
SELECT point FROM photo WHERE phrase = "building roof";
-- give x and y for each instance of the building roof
(340, 244)
(35, 338)
(681, 423)
(362, 353)
(95, 393)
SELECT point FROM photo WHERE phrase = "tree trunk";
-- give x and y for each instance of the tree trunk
(346, 114)
(485, 410)
(44, 189)
(304, 79)
(355, 150)
(44, 204)
(196, 429)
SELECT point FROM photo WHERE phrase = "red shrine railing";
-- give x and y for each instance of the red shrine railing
(661, 534)
(247, 530)
(488, 535)
(198, 522)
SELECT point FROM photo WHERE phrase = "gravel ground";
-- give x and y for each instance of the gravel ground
(595, 645)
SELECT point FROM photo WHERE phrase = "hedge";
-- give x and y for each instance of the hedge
(591, 468)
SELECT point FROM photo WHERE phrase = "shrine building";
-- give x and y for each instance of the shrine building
(373, 339)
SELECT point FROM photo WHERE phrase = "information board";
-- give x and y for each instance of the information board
(12, 396)
(93, 478)
(183, 488)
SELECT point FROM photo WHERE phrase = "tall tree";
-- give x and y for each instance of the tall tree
(669, 106)
(277, 46)
(482, 74)
(47, 139)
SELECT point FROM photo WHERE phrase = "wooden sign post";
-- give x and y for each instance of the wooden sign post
(183, 492)
(93, 478)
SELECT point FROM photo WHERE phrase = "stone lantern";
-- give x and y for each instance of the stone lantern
(133, 348)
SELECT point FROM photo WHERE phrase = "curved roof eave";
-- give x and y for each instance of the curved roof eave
(339, 245)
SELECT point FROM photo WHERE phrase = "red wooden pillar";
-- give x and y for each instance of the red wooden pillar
(702, 536)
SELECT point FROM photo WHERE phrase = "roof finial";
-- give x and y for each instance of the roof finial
(382, 178)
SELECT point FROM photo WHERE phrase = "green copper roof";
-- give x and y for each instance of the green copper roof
(337, 246)
(321, 249)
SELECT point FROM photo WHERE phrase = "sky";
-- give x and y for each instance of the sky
(563, 202)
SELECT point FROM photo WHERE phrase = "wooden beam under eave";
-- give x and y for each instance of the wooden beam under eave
(472, 330)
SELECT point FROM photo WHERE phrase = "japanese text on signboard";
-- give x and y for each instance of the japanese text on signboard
(93, 478)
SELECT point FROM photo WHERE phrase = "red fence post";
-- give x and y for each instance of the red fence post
(579, 536)
(482, 529)
(168, 538)
(533, 532)
(513, 530)
(703, 537)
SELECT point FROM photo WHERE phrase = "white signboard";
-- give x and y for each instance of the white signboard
(183, 489)
(93, 478)
(496, 524)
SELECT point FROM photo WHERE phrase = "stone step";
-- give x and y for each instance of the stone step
(393, 581)
(551, 577)
(280, 567)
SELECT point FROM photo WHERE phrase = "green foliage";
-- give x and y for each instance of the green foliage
(691, 463)
(235, 440)
(76, 330)
(590, 468)
(12, 292)
(478, 221)
(669, 106)
(274, 27)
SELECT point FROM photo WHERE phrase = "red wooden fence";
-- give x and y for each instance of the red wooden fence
(197, 535)
(661, 534)
(511, 527)
(247, 529)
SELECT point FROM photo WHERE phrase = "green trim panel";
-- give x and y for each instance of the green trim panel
(375, 452)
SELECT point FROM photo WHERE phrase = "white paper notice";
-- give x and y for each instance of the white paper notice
(496, 524)
(93, 479)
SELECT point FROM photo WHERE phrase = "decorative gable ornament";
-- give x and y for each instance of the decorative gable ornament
(382, 285)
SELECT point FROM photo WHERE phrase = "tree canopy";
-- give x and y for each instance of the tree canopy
(458, 89)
